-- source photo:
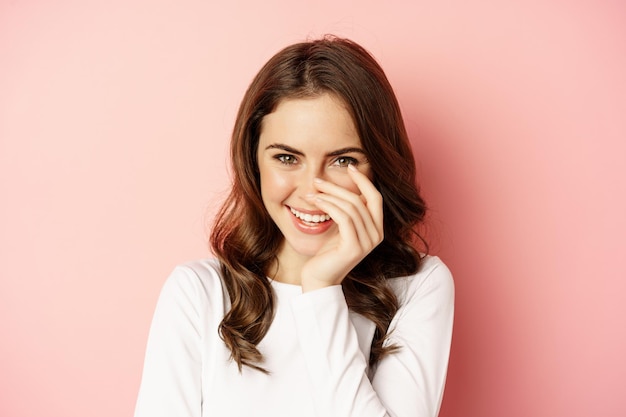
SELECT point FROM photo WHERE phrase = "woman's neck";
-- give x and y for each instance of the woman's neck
(288, 265)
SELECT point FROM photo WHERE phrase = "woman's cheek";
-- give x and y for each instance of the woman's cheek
(280, 179)
(342, 179)
(275, 184)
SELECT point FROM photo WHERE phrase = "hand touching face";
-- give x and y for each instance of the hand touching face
(359, 219)
(315, 184)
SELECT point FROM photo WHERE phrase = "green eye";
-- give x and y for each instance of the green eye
(286, 159)
(344, 161)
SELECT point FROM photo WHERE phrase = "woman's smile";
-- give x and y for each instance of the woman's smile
(303, 141)
(310, 222)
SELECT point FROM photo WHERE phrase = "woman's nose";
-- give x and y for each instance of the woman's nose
(307, 179)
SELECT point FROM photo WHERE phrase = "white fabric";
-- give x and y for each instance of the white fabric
(316, 351)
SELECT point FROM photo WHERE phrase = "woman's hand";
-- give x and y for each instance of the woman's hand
(359, 220)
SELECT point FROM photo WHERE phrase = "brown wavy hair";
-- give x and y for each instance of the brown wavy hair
(246, 240)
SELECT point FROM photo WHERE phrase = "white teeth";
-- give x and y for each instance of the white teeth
(310, 218)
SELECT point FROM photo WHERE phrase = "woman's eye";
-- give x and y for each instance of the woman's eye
(344, 161)
(286, 159)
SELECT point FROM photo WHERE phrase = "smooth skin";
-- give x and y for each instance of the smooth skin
(311, 160)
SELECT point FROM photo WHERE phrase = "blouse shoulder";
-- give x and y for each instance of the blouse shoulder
(198, 281)
(433, 280)
(204, 270)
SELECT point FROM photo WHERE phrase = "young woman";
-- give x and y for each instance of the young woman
(320, 301)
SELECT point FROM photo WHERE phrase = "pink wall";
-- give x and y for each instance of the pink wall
(114, 121)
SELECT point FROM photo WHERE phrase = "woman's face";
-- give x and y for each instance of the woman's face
(301, 140)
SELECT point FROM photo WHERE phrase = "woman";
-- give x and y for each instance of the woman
(319, 303)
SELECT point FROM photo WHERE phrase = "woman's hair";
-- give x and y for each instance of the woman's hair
(245, 238)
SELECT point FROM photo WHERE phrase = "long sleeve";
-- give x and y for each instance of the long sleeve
(171, 381)
(406, 383)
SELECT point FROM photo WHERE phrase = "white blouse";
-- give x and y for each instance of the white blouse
(316, 351)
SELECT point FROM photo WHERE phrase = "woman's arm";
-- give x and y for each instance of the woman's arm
(171, 381)
(411, 381)
(407, 383)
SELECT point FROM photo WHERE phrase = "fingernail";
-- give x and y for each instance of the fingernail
(318, 180)
(352, 168)
(310, 196)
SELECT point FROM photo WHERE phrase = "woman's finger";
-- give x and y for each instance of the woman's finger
(369, 202)
(349, 219)
(370, 193)
(352, 204)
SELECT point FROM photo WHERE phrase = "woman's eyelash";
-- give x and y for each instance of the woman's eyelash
(344, 161)
(340, 161)
(286, 159)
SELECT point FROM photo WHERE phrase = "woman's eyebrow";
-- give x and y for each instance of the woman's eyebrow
(285, 148)
(294, 151)
(345, 150)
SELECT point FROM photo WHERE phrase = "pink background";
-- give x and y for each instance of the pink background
(114, 122)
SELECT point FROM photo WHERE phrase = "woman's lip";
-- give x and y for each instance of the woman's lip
(305, 211)
(309, 228)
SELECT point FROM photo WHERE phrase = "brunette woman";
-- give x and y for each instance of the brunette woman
(321, 300)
